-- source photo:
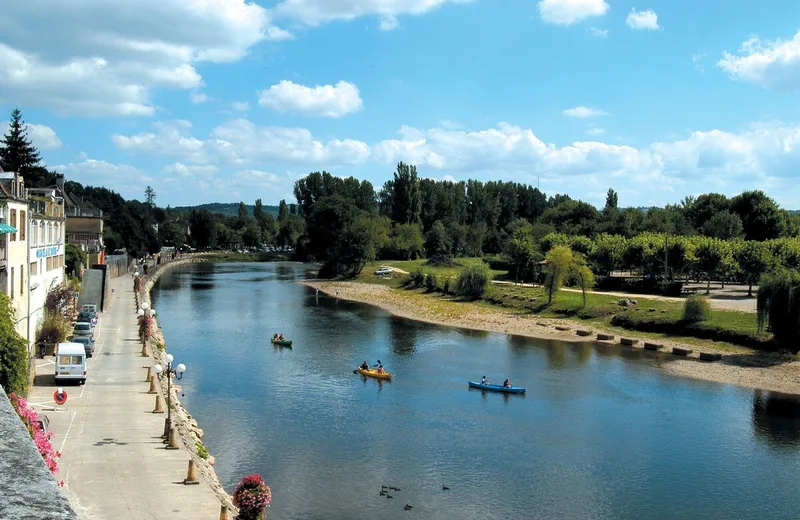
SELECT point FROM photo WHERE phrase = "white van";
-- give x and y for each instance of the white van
(71, 364)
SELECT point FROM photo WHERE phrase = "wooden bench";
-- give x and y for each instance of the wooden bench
(681, 351)
(707, 356)
(653, 346)
(628, 341)
(689, 290)
(605, 337)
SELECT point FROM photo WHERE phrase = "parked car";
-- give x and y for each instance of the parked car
(383, 271)
(86, 317)
(91, 308)
(87, 342)
(83, 328)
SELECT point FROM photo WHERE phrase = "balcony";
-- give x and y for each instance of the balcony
(45, 208)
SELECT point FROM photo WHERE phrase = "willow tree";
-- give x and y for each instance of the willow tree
(778, 307)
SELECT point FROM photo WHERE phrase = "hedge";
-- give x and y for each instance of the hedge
(702, 330)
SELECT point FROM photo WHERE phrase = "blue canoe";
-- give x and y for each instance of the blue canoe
(497, 388)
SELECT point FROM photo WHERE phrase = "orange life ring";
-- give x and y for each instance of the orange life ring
(60, 398)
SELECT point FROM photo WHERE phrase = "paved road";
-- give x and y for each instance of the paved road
(113, 463)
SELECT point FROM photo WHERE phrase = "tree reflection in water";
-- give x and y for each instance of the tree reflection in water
(403, 336)
(776, 418)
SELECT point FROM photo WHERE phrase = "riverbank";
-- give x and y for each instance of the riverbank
(191, 435)
(738, 366)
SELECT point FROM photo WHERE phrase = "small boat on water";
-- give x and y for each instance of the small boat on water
(375, 373)
(497, 388)
(282, 342)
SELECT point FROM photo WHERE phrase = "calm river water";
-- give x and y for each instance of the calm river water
(601, 434)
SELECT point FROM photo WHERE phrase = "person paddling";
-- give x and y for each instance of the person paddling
(364, 365)
(484, 381)
(507, 383)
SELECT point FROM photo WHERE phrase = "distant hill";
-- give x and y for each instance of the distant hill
(224, 208)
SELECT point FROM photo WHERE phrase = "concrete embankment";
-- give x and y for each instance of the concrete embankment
(190, 432)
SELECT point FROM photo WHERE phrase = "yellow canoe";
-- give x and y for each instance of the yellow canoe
(374, 373)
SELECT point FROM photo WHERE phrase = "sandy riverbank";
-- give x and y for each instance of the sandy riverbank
(745, 367)
(188, 429)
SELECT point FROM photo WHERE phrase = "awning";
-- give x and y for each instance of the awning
(5, 228)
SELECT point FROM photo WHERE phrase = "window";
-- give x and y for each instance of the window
(34, 267)
(21, 280)
(41, 233)
(11, 287)
(23, 223)
(34, 233)
(12, 221)
(77, 360)
(64, 360)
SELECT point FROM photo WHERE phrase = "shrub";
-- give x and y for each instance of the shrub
(54, 328)
(446, 285)
(473, 281)
(672, 326)
(696, 309)
(41, 439)
(202, 452)
(417, 278)
(13, 352)
(431, 282)
(60, 299)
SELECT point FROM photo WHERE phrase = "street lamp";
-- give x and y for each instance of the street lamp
(140, 312)
(136, 273)
(169, 372)
(153, 313)
(145, 305)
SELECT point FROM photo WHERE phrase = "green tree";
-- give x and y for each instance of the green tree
(778, 307)
(612, 199)
(172, 233)
(401, 198)
(74, 258)
(17, 152)
(754, 259)
(583, 273)
(150, 196)
(761, 217)
(407, 241)
(251, 235)
(258, 209)
(13, 352)
(711, 254)
(202, 228)
(242, 211)
(473, 281)
(437, 243)
(283, 211)
(723, 225)
(560, 262)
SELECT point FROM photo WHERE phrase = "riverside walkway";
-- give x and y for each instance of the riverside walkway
(114, 464)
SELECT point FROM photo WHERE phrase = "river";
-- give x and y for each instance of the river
(601, 434)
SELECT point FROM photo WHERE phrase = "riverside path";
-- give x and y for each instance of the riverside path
(113, 463)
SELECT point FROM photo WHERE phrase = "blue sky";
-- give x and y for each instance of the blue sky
(224, 100)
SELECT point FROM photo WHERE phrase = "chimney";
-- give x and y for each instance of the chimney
(60, 183)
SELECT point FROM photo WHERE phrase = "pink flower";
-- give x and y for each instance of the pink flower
(41, 439)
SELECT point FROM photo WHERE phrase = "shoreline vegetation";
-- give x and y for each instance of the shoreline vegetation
(186, 426)
(739, 366)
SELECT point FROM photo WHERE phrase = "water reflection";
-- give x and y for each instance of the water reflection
(776, 418)
(403, 337)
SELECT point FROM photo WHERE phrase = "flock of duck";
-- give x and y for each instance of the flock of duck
(386, 489)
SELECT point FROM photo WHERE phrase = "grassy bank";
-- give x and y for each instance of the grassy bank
(651, 317)
(441, 272)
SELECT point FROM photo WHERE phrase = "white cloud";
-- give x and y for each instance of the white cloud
(321, 101)
(596, 130)
(697, 60)
(241, 142)
(42, 136)
(389, 22)
(771, 64)
(599, 33)
(128, 180)
(584, 112)
(316, 12)
(171, 139)
(198, 97)
(568, 12)
(105, 58)
(240, 106)
(191, 170)
(646, 20)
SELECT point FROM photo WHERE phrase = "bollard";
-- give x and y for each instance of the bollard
(191, 474)
(158, 408)
(144, 348)
(173, 440)
(152, 385)
(223, 512)
(149, 373)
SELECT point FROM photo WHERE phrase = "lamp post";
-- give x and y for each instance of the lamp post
(169, 372)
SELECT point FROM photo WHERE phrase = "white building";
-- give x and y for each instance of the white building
(47, 225)
(14, 249)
